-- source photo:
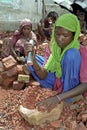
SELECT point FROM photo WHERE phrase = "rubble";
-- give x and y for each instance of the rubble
(14, 93)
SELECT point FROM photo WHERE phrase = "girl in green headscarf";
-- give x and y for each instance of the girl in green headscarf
(63, 63)
(71, 23)
(61, 71)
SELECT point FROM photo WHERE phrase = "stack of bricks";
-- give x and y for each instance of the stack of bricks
(10, 73)
(21, 81)
(14, 75)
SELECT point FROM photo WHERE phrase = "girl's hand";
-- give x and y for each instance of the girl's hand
(48, 104)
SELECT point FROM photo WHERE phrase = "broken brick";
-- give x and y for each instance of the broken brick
(8, 81)
(23, 78)
(9, 73)
(9, 62)
(18, 85)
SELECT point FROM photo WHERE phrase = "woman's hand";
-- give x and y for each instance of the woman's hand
(48, 104)
(28, 48)
(20, 59)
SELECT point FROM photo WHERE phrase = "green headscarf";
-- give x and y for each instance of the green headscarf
(70, 22)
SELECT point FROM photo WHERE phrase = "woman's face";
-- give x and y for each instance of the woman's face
(26, 30)
(63, 37)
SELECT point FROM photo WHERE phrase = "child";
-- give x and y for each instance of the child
(45, 25)
(83, 25)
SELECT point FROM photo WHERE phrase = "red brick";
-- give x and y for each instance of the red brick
(20, 69)
(8, 81)
(9, 62)
(18, 85)
(56, 124)
(9, 73)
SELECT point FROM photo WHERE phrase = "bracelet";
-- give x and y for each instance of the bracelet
(58, 98)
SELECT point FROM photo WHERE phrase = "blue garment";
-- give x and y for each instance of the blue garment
(40, 59)
(70, 63)
(70, 71)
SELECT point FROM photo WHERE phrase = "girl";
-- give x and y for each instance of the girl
(45, 26)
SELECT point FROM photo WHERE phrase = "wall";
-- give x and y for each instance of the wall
(13, 11)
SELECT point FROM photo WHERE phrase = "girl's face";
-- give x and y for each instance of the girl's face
(63, 37)
(81, 16)
(26, 30)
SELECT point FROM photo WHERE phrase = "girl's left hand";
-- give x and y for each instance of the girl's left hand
(48, 104)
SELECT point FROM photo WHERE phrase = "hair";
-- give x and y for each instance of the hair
(53, 14)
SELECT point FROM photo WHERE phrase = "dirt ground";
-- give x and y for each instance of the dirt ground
(10, 118)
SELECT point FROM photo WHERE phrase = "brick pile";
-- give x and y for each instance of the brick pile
(12, 74)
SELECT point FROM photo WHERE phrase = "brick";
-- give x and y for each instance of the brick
(23, 78)
(20, 69)
(35, 83)
(56, 123)
(18, 85)
(9, 73)
(8, 81)
(9, 62)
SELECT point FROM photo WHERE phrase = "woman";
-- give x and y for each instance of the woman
(18, 40)
(62, 69)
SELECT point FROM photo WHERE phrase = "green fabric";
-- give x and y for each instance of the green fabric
(71, 23)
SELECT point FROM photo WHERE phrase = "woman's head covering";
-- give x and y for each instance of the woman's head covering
(18, 33)
(25, 22)
(70, 22)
